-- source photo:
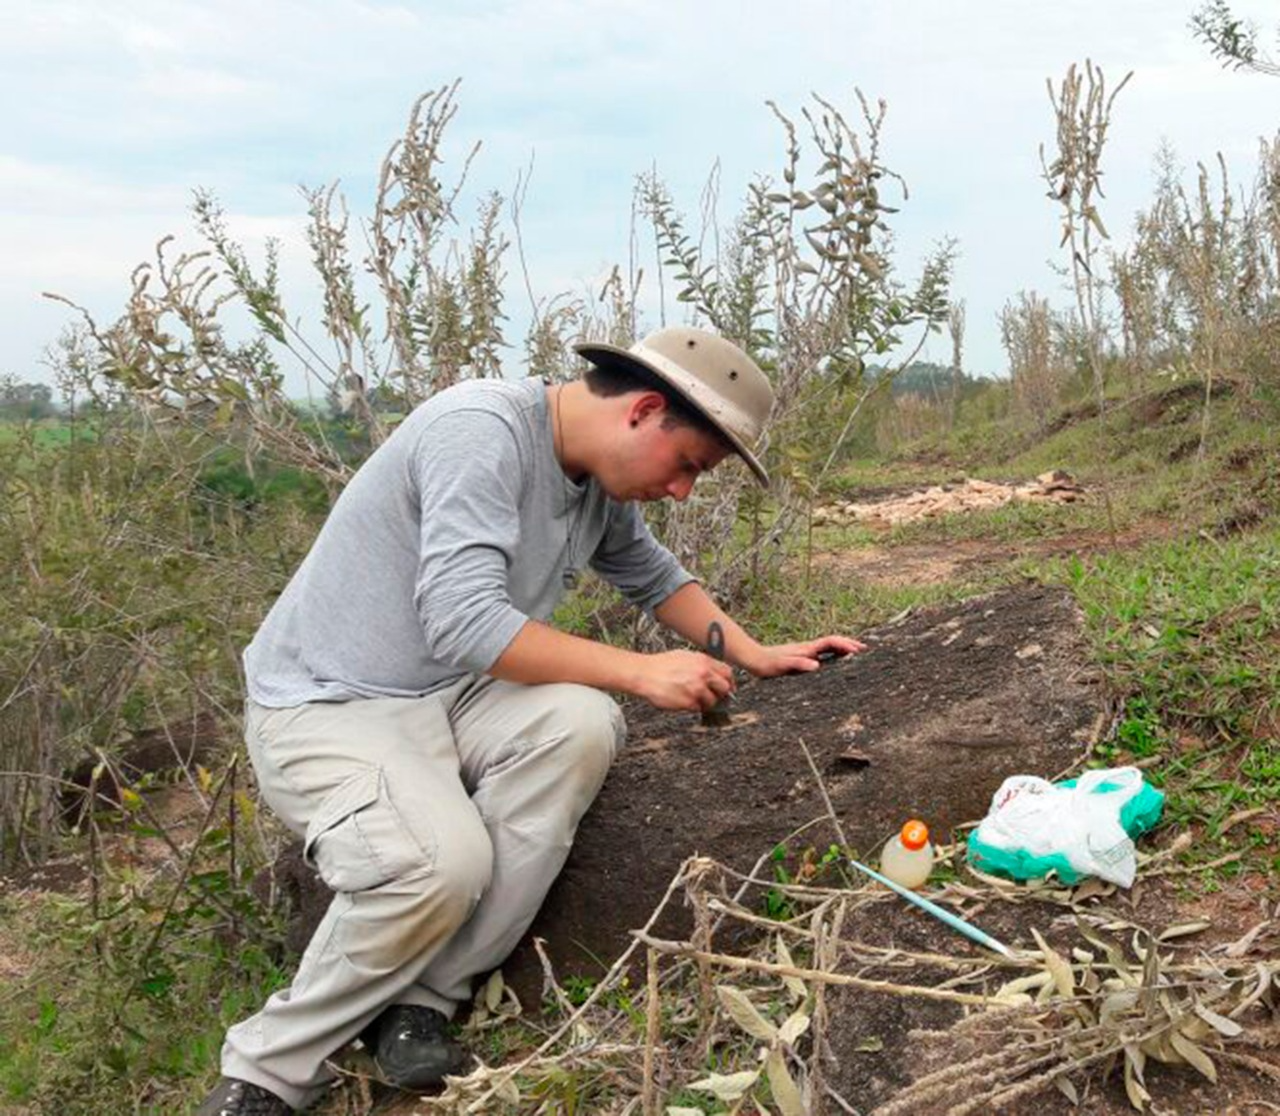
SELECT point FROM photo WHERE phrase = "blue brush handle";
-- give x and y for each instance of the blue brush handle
(954, 921)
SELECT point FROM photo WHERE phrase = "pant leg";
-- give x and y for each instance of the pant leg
(375, 789)
(533, 758)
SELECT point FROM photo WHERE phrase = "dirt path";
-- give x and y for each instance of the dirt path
(938, 563)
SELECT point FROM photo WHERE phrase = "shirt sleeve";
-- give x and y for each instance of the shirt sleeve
(467, 471)
(644, 571)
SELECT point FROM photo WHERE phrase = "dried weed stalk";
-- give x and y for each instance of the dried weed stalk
(1042, 1020)
(440, 307)
(804, 280)
(1082, 108)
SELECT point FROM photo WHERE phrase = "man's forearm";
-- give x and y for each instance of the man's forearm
(541, 654)
(689, 612)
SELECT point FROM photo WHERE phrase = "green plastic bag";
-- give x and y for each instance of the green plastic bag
(1075, 828)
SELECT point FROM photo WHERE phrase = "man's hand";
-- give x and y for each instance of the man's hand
(797, 658)
(684, 680)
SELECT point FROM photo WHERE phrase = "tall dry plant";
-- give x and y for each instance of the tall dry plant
(955, 328)
(1037, 371)
(803, 278)
(434, 316)
(1082, 111)
(805, 281)
(1199, 287)
(908, 417)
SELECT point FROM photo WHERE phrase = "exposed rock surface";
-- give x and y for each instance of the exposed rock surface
(928, 722)
(1054, 487)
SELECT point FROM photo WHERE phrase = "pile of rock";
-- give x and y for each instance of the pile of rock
(973, 495)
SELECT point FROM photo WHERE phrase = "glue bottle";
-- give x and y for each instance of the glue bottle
(907, 858)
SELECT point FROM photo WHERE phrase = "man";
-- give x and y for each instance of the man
(415, 719)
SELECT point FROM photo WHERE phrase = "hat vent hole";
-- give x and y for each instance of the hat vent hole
(691, 342)
(733, 373)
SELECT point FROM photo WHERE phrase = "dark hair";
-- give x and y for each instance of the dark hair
(611, 380)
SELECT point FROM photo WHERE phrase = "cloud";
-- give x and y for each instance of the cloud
(126, 105)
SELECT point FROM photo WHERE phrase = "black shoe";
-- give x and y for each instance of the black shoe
(412, 1047)
(233, 1097)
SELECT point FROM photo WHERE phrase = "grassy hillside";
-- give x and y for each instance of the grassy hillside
(1179, 584)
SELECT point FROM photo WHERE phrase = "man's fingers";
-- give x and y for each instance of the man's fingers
(721, 686)
(720, 668)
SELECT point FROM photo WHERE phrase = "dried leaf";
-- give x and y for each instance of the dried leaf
(794, 984)
(871, 1045)
(1264, 982)
(1219, 1023)
(1063, 977)
(1135, 1053)
(1067, 1089)
(1136, 1091)
(1150, 973)
(1183, 929)
(1194, 1055)
(1116, 1004)
(1159, 1048)
(1112, 948)
(1239, 816)
(1092, 888)
(785, 1092)
(795, 1026)
(493, 991)
(678, 1110)
(1023, 984)
(727, 1086)
(745, 1015)
(508, 1090)
(1241, 946)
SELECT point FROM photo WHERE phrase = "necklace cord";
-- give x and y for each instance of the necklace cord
(570, 575)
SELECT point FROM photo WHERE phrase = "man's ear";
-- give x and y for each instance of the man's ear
(644, 405)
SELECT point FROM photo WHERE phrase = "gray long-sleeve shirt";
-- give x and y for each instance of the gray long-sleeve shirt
(456, 531)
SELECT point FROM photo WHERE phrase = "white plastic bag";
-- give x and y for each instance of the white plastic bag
(1075, 830)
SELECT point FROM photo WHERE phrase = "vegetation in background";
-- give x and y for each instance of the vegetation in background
(1233, 41)
(147, 527)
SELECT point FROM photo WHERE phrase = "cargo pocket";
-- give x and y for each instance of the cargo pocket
(358, 839)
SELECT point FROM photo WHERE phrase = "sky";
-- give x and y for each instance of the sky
(115, 112)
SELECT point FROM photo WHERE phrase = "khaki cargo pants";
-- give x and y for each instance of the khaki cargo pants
(439, 822)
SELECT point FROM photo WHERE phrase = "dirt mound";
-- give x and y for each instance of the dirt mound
(943, 707)
(1174, 404)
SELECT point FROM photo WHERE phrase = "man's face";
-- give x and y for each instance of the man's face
(658, 458)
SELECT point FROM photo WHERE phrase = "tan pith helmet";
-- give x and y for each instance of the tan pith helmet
(720, 381)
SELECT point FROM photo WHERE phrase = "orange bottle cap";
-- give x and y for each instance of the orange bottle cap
(915, 835)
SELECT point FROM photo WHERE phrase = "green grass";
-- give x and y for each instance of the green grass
(1192, 625)
(1184, 615)
(43, 434)
(88, 1023)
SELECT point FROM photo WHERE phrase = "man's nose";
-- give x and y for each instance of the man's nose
(680, 488)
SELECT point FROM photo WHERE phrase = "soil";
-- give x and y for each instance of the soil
(882, 1042)
(961, 559)
(943, 707)
(927, 723)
